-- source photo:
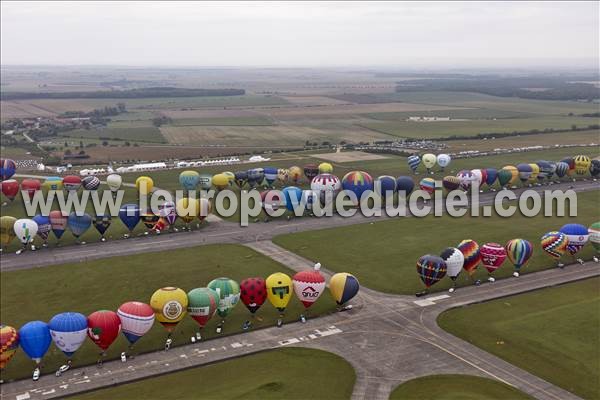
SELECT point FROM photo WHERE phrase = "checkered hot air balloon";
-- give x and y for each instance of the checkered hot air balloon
(431, 269)
(470, 250)
(519, 251)
(9, 343)
(555, 244)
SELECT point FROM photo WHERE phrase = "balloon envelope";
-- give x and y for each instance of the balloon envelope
(44, 226)
(136, 319)
(431, 269)
(343, 287)
(79, 224)
(405, 185)
(7, 229)
(35, 339)
(103, 328)
(279, 290)
(90, 183)
(308, 286)
(68, 331)
(413, 162)
(429, 160)
(114, 182)
(357, 182)
(202, 304)
(129, 214)
(492, 256)
(9, 343)
(102, 223)
(454, 259)
(253, 293)
(25, 230)
(443, 160)
(144, 185)
(292, 197)
(471, 252)
(554, 244)
(169, 305)
(58, 222)
(594, 232)
(229, 294)
(7, 168)
(72, 183)
(10, 188)
(189, 179)
(577, 236)
(310, 171)
(519, 251)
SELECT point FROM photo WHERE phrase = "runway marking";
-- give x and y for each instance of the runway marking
(430, 301)
(23, 396)
(332, 330)
(49, 392)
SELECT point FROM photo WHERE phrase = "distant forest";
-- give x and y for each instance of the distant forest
(124, 94)
(541, 88)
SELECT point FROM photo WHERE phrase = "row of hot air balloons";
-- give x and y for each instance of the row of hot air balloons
(468, 254)
(168, 306)
(429, 161)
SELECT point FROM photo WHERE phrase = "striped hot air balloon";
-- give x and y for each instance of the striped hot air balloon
(519, 251)
(136, 318)
(413, 162)
(555, 244)
(470, 250)
(431, 269)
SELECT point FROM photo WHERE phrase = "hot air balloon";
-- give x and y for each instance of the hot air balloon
(7, 229)
(189, 180)
(555, 245)
(68, 331)
(170, 306)
(168, 211)
(492, 257)
(514, 173)
(7, 168)
(545, 170)
(504, 177)
(570, 161)
(310, 171)
(279, 292)
(309, 285)
(431, 269)
(561, 169)
(102, 223)
(229, 295)
(413, 162)
(187, 209)
(519, 251)
(270, 175)
(385, 185)
(72, 183)
(594, 232)
(30, 186)
(295, 174)
(256, 176)
(44, 227)
(466, 179)
(90, 183)
(103, 328)
(10, 188)
(577, 236)
(283, 175)
(205, 208)
(479, 176)
(491, 176)
(471, 252)
(343, 287)
(292, 197)
(253, 293)
(136, 319)
(144, 185)
(326, 186)
(454, 260)
(130, 215)
(205, 182)
(241, 178)
(79, 224)
(230, 177)
(405, 186)
(427, 185)
(25, 229)
(35, 339)
(221, 181)
(595, 168)
(149, 219)
(357, 182)
(114, 182)
(271, 201)
(582, 164)
(429, 161)
(325, 168)
(53, 183)
(9, 343)
(309, 197)
(443, 161)
(202, 305)
(58, 223)
(535, 170)
(451, 183)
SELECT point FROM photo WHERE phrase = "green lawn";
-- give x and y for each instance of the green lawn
(39, 294)
(233, 121)
(455, 387)
(553, 333)
(258, 376)
(383, 253)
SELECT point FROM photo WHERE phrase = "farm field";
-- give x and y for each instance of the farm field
(276, 374)
(370, 250)
(235, 121)
(456, 387)
(549, 332)
(130, 133)
(107, 283)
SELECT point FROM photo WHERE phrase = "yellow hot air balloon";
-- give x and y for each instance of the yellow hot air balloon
(429, 160)
(221, 181)
(283, 174)
(514, 172)
(7, 230)
(325, 168)
(295, 174)
(52, 183)
(343, 287)
(144, 185)
(535, 171)
(279, 290)
(582, 164)
(187, 209)
(230, 177)
(169, 305)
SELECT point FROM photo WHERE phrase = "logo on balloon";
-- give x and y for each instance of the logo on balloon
(310, 292)
(172, 310)
(281, 291)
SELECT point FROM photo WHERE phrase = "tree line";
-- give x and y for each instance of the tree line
(152, 92)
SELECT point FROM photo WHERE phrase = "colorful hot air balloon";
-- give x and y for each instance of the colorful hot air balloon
(561, 169)
(241, 178)
(427, 185)
(79, 224)
(492, 257)
(44, 226)
(53, 183)
(479, 176)
(555, 244)
(149, 219)
(519, 251)
(7, 229)
(504, 177)
(270, 175)
(405, 185)
(343, 287)
(283, 175)
(10, 188)
(429, 161)
(443, 160)
(72, 183)
(466, 179)
(205, 181)
(325, 168)
(170, 306)
(189, 180)
(525, 172)
(535, 171)
(229, 294)
(68, 331)
(295, 174)
(454, 259)
(431, 269)
(230, 177)
(570, 161)
(309, 285)
(595, 168)
(7, 169)
(168, 211)
(30, 186)
(35, 339)
(545, 170)
(130, 215)
(451, 183)
(114, 182)
(102, 223)
(357, 182)
(310, 171)
(582, 164)
(385, 185)
(256, 176)
(90, 183)
(292, 197)
(514, 173)
(221, 181)
(202, 304)
(253, 293)
(577, 236)
(491, 176)
(187, 209)
(144, 185)
(326, 186)
(58, 222)
(594, 232)
(413, 162)
(471, 252)
(103, 328)
(271, 201)
(279, 290)
(136, 319)
(9, 343)
(25, 229)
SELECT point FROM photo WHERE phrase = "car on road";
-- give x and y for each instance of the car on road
(36, 374)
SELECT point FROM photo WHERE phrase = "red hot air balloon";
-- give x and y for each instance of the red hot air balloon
(309, 285)
(492, 257)
(10, 188)
(31, 186)
(71, 183)
(253, 293)
(103, 328)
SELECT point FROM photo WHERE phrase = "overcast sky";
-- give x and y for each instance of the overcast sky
(301, 34)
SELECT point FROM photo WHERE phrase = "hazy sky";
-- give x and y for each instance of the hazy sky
(300, 34)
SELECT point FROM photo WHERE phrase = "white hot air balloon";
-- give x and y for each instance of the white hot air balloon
(455, 260)
(114, 182)
(443, 160)
(25, 230)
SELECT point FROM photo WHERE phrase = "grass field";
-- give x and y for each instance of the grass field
(235, 121)
(383, 253)
(552, 333)
(107, 283)
(123, 131)
(277, 374)
(455, 387)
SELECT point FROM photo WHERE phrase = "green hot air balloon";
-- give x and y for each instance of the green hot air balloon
(229, 295)
(504, 177)
(202, 304)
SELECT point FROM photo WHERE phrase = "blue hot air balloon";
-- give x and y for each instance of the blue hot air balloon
(44, 226)
(255, 176)
(491, 176)
(413, 162)
(102, 223)
(130, 215)
(68, 331)
(79, 224)
(385, 184)
(7, 169)
(357, 182)
(405, 184)
(561, 169)
(34, 338)
(293, 197)
(270, 175)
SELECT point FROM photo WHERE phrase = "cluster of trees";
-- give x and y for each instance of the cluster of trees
(497, 135)
(162, 120)
(123, 94)
(107, 111)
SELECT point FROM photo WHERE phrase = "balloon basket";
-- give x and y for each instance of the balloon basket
(422, 293)
(279, 322)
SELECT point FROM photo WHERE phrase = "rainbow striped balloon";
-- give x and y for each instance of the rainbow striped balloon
(555, 244)
(470, 250)
(519, 251)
